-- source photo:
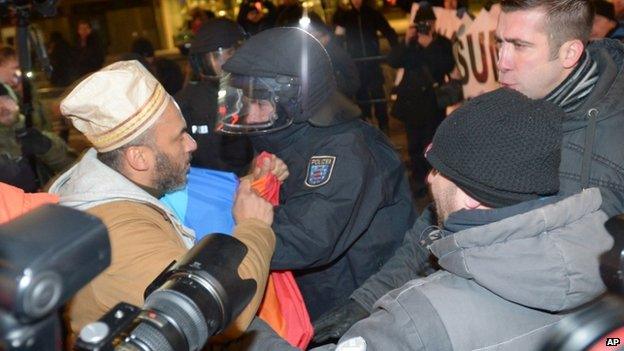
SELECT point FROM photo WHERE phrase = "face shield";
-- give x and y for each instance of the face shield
(209, 63)
(253, 105)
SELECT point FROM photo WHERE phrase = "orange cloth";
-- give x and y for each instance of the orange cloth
(268, 186)
(283, 307)
(270, 310)
(14, 202)
(299, 329)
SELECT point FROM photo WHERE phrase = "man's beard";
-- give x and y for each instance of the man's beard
(169, 175)
(443, 204)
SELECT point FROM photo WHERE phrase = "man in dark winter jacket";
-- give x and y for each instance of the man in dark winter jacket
(213, 45)
(90, 53)
(360, 25)
(346, 204)
(543, 53)
(514, 259)
(427, 59)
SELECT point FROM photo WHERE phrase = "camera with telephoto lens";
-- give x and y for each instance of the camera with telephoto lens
(600, 326)
(49, 254)
(188, 302)
(423, 27)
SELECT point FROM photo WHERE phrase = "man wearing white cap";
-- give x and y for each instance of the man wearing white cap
(140, 151)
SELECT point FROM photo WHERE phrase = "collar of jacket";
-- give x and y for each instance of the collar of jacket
(571, 93)
(90, 183)
(545, 258)
(606, 96)
(465, 219)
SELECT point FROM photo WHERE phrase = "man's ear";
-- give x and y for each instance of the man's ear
(139, 158)
(570, 53)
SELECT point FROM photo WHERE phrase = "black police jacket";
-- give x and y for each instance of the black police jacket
(343, 210)
(198, 103)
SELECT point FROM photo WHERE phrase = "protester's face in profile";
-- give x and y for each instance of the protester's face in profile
(525, 62)
(173, 149)
(9, 72)
(444, 195)
(357, 3)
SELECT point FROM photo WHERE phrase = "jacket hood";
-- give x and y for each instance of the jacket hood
(607, 93)
(90, 183)
(546, 258)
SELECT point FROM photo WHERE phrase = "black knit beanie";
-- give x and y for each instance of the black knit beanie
(501, 148)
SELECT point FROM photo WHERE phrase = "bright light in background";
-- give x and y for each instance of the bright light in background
(221, 94)
(221, 13)
(29, 74)
(304, 22)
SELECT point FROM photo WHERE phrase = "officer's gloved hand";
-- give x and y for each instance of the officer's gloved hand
(33, 142)
(333, 324)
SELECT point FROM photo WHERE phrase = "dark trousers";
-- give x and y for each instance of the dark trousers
(371, 94)
(368, 97)
(418, 138)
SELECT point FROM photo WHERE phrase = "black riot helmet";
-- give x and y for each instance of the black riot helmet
(215, 42)
(278, 77)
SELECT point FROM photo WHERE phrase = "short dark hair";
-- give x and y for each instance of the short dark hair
(565, 19)
(143, 47)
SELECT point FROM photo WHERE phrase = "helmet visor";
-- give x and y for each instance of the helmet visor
(211, 62)
(249, 105)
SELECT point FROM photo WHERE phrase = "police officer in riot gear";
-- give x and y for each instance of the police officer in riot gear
(213, 45)
(346, 204)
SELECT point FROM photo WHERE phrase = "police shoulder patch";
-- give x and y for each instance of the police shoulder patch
(319, 170)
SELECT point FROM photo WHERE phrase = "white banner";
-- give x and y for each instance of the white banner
(474, 46)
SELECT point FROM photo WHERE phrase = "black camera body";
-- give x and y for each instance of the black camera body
(46, 256)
